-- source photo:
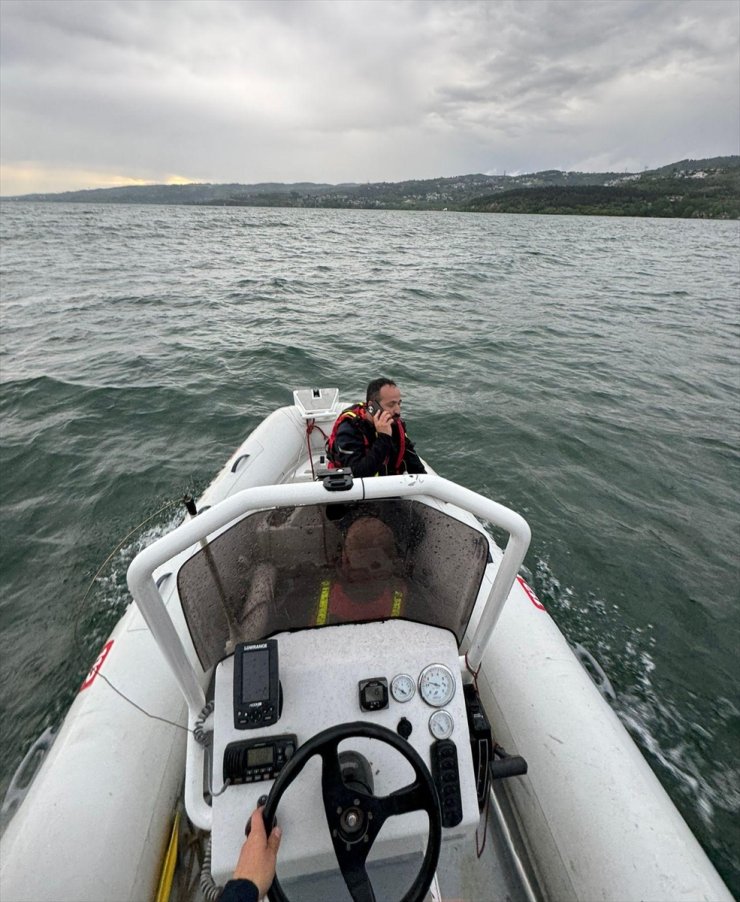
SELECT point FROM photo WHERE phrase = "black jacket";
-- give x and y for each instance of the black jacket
(239, 891)
(369, 453)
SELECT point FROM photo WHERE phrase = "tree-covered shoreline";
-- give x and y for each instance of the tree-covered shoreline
(716, 196)
(708, 189)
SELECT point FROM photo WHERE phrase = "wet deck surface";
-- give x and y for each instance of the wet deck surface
(462, 876)
(492, 877)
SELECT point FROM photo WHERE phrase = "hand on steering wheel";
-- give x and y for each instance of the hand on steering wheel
(356, 817)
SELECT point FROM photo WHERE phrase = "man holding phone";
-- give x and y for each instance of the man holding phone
(371, 438)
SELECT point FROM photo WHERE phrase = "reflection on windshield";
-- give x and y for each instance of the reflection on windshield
(295, 568)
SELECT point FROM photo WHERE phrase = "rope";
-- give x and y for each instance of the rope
(78, 612)
(78, 615)
(310, 426)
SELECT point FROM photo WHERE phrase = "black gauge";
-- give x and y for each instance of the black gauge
(374, 694)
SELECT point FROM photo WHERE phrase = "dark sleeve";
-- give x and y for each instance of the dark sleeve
(350, 451)
(239, 891)
(412, 459)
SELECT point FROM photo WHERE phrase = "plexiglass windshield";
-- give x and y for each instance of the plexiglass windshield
(316, 566)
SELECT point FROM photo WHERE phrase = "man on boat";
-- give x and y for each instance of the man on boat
(371, 438)
(368, 584)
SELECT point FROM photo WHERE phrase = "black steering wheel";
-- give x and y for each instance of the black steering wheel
(354, 816)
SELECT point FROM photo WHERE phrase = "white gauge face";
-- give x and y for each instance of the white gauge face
(403, 687)
(441, 724)
(437, 685)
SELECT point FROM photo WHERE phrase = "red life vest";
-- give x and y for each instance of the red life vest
(358, 412)
(335, 605)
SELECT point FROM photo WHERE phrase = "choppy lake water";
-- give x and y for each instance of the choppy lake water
(583, 371)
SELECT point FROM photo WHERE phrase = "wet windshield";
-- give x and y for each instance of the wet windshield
(301, 567)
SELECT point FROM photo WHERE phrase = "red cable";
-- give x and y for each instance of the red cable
(309, 429)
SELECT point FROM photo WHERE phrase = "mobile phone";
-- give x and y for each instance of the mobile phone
(372, 408)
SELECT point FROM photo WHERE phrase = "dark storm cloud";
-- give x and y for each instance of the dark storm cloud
(340, 91)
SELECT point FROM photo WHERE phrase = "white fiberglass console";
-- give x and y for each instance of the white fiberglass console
(365, 590)
(322, 672)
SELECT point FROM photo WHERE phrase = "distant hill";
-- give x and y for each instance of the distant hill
(689, 188)
(672, 191)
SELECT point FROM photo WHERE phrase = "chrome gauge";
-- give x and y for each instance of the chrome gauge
(441, 725)
(437, 685)
(403, 687)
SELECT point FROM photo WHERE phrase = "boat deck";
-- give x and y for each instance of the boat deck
(498, 875)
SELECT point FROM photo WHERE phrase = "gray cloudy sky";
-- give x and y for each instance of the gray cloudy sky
(96, 93)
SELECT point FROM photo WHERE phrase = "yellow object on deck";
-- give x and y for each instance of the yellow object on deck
(168, 867)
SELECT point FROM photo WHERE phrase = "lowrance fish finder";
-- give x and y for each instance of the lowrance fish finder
(256, 684)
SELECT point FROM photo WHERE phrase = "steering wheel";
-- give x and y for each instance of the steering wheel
(355, 817)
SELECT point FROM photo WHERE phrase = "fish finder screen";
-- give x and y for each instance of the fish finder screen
(255, 676)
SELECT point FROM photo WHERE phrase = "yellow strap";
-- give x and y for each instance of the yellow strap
(397, 602)
(170, 860)
(323, 610)
(323, 603)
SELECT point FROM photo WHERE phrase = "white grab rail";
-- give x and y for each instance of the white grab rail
(144, 590)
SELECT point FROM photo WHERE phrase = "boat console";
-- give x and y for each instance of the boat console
(327, 627)
(403, 677)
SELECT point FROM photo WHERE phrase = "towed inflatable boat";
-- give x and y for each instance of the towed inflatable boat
(363, 657)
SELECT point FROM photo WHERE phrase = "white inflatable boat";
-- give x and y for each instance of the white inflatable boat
(361, 652)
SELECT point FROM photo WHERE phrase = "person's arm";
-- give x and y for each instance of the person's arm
(412, 459)
(350, 450)
(255, 869)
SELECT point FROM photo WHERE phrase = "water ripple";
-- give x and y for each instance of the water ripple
(583, 371)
